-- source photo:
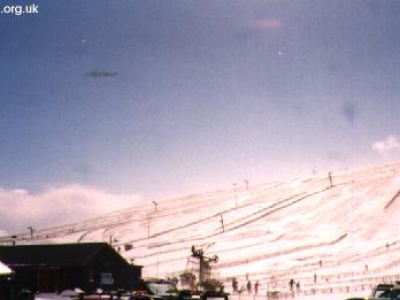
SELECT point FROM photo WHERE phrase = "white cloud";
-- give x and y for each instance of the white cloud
(388, 145)
(20, 209)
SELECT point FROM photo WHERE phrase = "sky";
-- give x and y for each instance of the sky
(143, 100)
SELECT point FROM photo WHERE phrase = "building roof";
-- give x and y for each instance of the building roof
(78, 254)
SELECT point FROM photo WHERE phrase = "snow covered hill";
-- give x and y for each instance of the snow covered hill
(340, 229)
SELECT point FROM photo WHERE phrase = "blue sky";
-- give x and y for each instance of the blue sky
(166, 98)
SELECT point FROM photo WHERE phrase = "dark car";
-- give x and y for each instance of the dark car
(395, 292)
(382, 291)
(214, 295)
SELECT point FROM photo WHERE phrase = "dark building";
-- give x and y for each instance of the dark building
(57, 267)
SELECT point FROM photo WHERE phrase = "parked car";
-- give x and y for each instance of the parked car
(382, 291)
(395, 292)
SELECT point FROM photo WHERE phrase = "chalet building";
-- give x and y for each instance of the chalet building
(57, 267)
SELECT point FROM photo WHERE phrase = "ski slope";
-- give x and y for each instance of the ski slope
(341, 227)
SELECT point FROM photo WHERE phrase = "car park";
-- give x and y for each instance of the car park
(156, 288)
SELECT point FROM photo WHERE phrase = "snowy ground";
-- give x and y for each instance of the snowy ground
(341, 228)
